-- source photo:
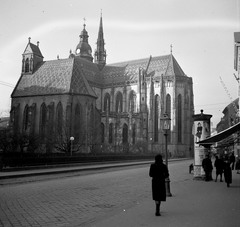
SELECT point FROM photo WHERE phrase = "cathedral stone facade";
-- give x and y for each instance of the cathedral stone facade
(106, 107)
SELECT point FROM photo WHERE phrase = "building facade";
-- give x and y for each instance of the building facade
(115, 107)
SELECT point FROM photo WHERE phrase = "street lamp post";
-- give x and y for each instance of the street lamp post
(151, 140)
(166, 127)
(71, 140)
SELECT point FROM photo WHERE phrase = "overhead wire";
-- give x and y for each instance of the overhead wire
(6, 84)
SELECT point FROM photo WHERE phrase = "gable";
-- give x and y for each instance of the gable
(32, 49)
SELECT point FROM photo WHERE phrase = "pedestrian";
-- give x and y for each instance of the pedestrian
(159, 172)
(232, 160)
(228, 172)
(237, 167)
(207, 167)
(219, 165)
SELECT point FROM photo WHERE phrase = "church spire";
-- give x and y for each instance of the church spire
(100, 53)
(83, 49)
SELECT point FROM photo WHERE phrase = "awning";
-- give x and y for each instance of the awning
(221, 135)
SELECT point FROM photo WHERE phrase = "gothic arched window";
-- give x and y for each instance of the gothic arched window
(59, 116)
(106, 103)
(92, 122)
(68, 120)
(50, 111)
(179, 119)
(77, 123)
(43, 121)
(125, 133)
(156, 117)
(168, 105)
(110, 133)
(26, 118)
(133, 133)
(132, 102)
(119, 102)
(15, 118)
(102, 132)
(168, 111)
(27, 65)
(31, 64)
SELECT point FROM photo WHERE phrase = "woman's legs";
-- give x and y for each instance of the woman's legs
(158, 203)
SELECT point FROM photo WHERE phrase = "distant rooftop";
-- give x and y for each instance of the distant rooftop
(237, 37)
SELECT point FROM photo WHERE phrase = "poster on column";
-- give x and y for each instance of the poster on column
(202, 131)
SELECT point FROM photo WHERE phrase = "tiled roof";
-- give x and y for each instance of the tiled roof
(35, 49)
(54, 77)
(129, 70)
(78, 75)
(174, 68)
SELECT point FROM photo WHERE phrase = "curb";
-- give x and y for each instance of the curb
(69, 169)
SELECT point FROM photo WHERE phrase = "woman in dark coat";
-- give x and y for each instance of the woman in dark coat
(159, 172)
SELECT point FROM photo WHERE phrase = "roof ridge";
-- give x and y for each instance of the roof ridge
(137, 60)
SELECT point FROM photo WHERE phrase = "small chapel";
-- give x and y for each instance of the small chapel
(104, 107)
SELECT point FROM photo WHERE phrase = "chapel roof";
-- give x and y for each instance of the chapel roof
(54, 77)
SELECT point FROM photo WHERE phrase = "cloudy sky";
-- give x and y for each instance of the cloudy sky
(201, 33)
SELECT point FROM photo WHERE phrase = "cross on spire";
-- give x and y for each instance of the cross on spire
(84, 19)
(171, 46)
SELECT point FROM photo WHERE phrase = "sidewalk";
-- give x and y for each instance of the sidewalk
(45, 170)
(194, 203)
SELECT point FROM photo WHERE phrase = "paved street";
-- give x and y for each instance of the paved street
(73, 200)
(116, 198)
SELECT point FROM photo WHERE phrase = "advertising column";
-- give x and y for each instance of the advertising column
(201, 131)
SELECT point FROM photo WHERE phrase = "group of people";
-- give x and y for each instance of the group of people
(159, 173)
(224, 166)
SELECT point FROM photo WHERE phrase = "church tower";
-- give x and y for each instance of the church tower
(31, 57)
(100, 53)
(83, 49)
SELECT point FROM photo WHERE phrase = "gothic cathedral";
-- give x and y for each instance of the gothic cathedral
(104, 107)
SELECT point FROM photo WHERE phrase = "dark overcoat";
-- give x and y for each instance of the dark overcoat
(207, 165)
(219, 164)
(158, 172)
(227, 173)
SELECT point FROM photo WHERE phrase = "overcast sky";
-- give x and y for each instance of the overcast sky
(201, 32)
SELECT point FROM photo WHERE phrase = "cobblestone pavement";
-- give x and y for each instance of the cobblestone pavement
(78, 200)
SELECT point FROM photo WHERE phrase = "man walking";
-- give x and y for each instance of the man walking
(207, 166)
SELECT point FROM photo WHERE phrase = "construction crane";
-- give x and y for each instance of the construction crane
(230, 97)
